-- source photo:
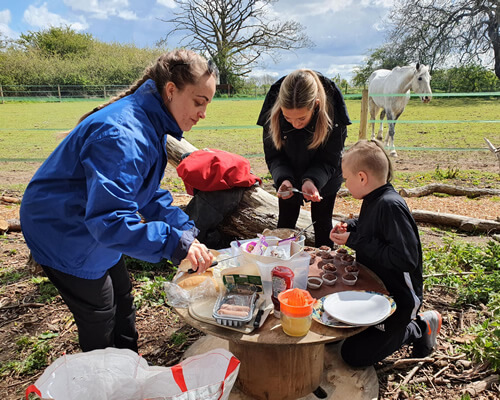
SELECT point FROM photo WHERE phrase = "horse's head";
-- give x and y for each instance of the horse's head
(421, 82)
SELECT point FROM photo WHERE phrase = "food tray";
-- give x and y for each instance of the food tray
(234, 299)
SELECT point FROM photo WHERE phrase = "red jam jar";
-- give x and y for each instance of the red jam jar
(282, 279)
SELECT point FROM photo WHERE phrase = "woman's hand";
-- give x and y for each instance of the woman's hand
(285, 190)
(310, 191)
(199, 255)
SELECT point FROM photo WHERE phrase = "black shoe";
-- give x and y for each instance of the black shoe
(425, 345)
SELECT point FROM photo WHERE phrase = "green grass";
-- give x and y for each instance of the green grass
(29, 132)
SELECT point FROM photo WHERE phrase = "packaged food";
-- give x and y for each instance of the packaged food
(234, 309)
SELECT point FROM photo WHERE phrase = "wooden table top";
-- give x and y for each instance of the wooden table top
(271, 333)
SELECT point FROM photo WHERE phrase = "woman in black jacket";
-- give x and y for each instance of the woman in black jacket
(305, 126)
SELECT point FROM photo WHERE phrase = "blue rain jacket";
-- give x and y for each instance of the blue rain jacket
(82, 209)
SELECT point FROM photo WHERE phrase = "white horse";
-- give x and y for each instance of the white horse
(398, 81)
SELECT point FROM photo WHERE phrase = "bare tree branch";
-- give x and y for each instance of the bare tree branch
(235, 33)
(436, 30)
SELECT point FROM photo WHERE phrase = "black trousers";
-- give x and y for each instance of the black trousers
(321, 213)
(103, 308)
(374, 344)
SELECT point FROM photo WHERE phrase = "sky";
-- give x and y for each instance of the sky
(343, 31)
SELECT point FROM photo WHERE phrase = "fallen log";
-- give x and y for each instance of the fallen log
(258, 209)
(9, 199)
(461, 222)
(448, 189)
(10, 225)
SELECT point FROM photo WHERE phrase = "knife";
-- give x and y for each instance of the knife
(192, 271)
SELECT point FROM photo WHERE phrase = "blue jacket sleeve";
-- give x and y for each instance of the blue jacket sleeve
(117, 170)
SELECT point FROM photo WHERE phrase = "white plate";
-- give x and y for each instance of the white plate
(358, 307)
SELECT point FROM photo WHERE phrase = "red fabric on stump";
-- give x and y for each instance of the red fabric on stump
(212, 169)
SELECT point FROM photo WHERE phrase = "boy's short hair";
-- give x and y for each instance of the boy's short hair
(369, 156)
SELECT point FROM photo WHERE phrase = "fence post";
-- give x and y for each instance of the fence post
(59, 92)
(1, 93)
(363, 120)
(104, 91)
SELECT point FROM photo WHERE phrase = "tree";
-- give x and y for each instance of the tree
(384, 57)
(439, 31)
(57, 41)
(235, 34)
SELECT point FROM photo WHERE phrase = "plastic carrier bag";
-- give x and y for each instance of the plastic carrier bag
(121, 374)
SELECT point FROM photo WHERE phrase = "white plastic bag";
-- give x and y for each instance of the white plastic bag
(121, 374)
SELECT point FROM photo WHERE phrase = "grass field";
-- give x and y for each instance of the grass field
(29, 131)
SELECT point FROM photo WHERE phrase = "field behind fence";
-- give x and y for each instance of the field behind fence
(29, 130)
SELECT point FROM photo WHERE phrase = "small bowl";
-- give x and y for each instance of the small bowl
(309, 249)
(329, 268)
(325, 248)
(314, 282)
(342, 251)
(329, 278)
(349, 279)
(352, 269)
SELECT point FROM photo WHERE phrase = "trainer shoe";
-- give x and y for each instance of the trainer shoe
(425, 345)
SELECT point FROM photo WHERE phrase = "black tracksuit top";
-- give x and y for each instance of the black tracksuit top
(386, 240)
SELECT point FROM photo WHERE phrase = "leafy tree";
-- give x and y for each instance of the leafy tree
(465, 79)
(57, 41)
(235, 34)
(384, 57)
(440, 31)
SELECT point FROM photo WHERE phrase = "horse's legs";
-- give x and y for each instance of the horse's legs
(381, 128)
(373, 108)
(389, 140)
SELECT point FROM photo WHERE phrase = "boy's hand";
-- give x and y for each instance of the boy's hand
(339, 238)
(341, 227)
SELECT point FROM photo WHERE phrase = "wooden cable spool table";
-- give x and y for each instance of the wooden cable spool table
(275, 366)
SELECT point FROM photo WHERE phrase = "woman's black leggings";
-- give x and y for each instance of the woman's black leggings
(103, 308)
(321, 213)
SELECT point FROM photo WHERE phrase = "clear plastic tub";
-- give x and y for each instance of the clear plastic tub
(234, 309)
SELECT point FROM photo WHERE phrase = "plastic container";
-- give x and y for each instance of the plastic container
(296, 306)
(282, 279)
(233, 300)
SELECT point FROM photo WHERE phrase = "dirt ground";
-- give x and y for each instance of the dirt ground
(443, 376)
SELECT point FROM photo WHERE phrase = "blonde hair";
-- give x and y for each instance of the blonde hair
(369, 156)
(301, 89)
(182, 67)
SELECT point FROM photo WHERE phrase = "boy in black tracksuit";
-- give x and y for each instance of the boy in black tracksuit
(386, 240)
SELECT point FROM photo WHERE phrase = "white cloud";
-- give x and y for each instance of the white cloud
(5, 17)
(5, 30)
(103, 9)
(41, 18)
(167, 3)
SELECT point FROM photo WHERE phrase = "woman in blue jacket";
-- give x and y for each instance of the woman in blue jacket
(305, 126)
(98, 196)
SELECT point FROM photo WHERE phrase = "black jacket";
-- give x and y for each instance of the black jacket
(386, 240)
(295, 161)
